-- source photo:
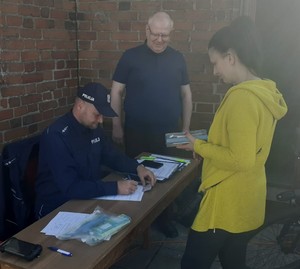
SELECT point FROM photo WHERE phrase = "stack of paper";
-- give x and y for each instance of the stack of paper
(88, 228)
(170, 165)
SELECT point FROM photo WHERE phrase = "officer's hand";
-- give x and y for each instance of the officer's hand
(146, 176)
(127, 186)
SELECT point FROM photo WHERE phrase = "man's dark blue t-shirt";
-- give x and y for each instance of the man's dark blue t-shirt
(153, 102)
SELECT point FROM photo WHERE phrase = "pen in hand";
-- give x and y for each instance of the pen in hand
(61, 251)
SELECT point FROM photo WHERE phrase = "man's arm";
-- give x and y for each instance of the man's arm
(116, 94)
(187, 106)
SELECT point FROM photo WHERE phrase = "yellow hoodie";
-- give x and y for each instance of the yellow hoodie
(239, 141)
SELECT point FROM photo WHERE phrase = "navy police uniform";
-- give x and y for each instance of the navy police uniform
(71, 163)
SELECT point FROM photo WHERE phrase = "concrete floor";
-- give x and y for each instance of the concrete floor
(166, 253)
(163, 253)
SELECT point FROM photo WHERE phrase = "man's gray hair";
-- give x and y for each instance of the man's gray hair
(161, 17)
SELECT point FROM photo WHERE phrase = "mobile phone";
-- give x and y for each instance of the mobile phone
(151, 164)
(21, 248)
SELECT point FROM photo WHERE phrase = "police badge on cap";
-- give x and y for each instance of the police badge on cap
(98, 95)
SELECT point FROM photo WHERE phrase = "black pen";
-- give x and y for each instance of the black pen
(61, 251)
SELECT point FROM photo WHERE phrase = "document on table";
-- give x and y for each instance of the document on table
(165, 171)
(88, 228)
(64, 222)
(136, 196)
(170, 165)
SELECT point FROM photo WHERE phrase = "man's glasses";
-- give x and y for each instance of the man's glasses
(156, 35)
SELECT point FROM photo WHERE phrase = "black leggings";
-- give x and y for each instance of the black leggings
(203, 247)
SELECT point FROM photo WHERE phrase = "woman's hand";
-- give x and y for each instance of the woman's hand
(189, 146)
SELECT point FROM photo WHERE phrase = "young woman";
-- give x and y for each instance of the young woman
(234, 156)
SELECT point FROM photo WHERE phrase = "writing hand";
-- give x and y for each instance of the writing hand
(127, 186)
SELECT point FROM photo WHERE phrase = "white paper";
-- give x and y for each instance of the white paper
(136, 196)
(64, 222)
(165, 171)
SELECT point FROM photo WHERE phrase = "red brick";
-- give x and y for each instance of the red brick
(131, 16)
(44, 24)
(46, 86)
(20, 111)
(45, 44)
(31, 88)
(45, 65)
(61, 74)
(31, 99)
(87, 36)
(10, 56)
(127, 45)
(104, 45)
(47, 105)
(54, 34)
(177, 5)
(62, 102)
(9, 8)
(27, 10)
(9, 32)
(15, 67)
(57, 93)
(60, 64)
(14, 20)
(104, 6)
(206, 108)
(32, 108)
(47, 3)
(59, 55)
(13, 79)
(6, 114)
(14, 102)
(150, 6)
(29, 67)
(72, 64)
(30, 33)
(13, 44)
(85, 25)
(12, 91)
(58, 14)
(46, 55)
(31, 78)
(127, 36)
(4, 125)
(31, 118)
(48, 75)
(63, 45)
(47, 115)
(29, 44)
(3, 103)
(14, 134)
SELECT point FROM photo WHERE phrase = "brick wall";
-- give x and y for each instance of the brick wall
(43, 57)
(38, 68)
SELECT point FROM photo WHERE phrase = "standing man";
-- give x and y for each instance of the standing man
(73, 151)
(157, 96)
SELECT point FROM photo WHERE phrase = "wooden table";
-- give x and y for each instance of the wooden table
(106, 253)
